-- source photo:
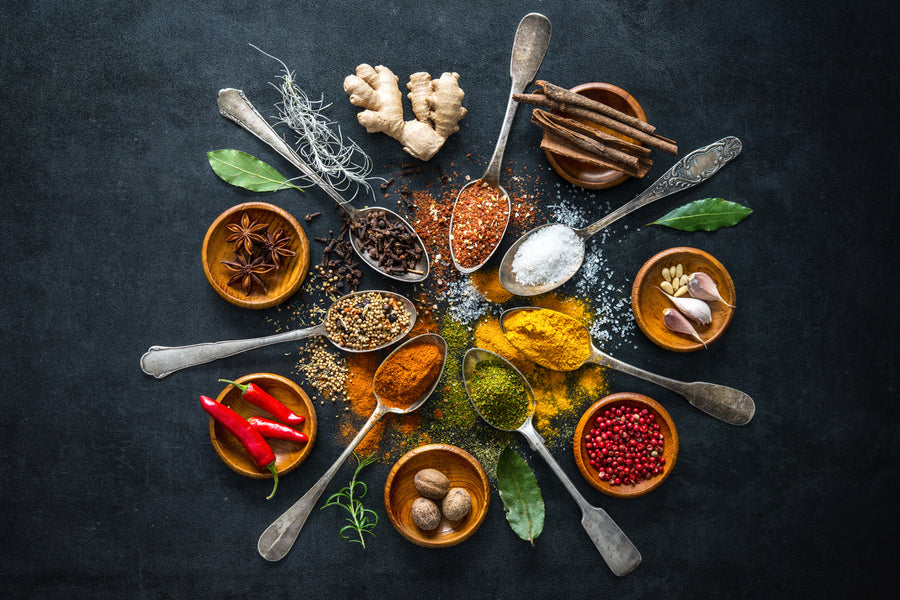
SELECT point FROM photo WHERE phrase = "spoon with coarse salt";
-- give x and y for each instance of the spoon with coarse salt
(549, 255)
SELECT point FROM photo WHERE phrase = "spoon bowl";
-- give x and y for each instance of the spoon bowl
(279, 537)
(422, 267)
(696, 167)
(459, 267)
(161, 361)
(724, 403)
(617, 551)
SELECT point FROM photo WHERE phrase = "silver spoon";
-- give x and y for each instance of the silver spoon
(724, 403)
(694, 168)
(160, 361)
(235, 106)
(529, 46)
(279, 537)
(620, 554)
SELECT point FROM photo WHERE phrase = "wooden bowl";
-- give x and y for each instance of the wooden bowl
(288, 454)
(587, 175)
(648, 303)
(280, 283)
(461, 468)
(670, 444)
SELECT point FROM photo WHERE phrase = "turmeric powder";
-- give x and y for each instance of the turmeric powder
(549, 338)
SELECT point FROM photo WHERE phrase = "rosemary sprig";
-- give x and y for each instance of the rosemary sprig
(361, 520)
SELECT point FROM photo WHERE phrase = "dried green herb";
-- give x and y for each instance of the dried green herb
(521, 495)
(361, 520)
(246, 171)
(707, 214)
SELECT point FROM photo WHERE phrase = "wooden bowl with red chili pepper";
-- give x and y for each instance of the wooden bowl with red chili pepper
(255, 255)
(461, 469)
(626, 445)
(289, 454)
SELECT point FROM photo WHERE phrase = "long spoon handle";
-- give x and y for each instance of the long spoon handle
(694, 168)
(619, 553)
(160, 361)
(724, 403)
(529, 47)
(279, 537)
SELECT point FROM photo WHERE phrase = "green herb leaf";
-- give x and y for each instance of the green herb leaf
(246, 171)
(708, 214)
(521, 495)
(361, 520)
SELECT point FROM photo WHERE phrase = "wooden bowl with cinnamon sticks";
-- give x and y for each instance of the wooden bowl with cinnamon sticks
(596, 135)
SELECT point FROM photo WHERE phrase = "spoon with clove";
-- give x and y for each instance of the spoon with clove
(694, 168)
(529, 47)
(235, 106)
(724, 403)
(161, 361)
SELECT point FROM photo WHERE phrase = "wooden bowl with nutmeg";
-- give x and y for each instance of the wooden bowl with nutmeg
(437, 495)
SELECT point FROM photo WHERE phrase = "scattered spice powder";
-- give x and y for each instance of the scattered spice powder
(487, 282)
(549, 338)
(479, 221)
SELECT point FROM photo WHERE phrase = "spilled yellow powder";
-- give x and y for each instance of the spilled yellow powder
(487, 282)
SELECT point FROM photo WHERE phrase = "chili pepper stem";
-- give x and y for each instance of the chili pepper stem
(274, 471)
(241, 386)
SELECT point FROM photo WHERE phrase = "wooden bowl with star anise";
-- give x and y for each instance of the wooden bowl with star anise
(255, 255)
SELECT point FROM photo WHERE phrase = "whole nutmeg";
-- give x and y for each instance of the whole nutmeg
(425, 514)
(457, 504)
(431, 483)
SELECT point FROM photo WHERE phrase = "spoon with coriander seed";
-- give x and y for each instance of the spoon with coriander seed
(482, 207)
(502, 397)
(561, 343)
(401, 255)
(390, 317)
(398, 389)
(549, 255)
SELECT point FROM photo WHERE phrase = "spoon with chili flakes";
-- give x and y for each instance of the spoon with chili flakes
(358, 322)
(481, 211)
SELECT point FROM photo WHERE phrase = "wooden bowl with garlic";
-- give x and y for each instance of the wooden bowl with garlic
(683, 299)
(437, 495)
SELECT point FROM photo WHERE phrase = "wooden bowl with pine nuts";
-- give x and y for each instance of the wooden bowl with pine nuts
(648, 300)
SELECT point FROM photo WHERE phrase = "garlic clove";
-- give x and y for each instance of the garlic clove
(701, 286)
(676, 322)
(693, 308)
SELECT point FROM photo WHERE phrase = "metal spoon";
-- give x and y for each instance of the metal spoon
(694, 168)
(620, 554)
(529, 46)
(724, 403)
(160, 361)
(279, 537)
(234, 105)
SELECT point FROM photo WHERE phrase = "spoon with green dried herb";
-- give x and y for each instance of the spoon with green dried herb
(502, 397)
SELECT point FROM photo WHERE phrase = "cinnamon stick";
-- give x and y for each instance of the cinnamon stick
(545, 120)
(560, 94)
(597, 134)
(653, 140)
(562, 147)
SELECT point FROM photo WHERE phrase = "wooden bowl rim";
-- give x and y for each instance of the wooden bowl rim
(662, 337)
(472, 524)
(625, 491)
(268, 300)
(310, 427)
(611, 178)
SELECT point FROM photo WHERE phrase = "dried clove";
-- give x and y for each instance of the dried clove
(693, 308)
(676, 322)
(701, 286)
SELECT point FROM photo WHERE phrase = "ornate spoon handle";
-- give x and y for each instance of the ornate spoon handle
(694, 168)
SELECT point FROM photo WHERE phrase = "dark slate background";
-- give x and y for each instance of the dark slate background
(108, 485)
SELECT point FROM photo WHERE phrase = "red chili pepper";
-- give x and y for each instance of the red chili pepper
(273, 429)
(251, 439)
(254, 394)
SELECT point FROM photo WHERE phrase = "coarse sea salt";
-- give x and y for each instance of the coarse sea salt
(547, 256)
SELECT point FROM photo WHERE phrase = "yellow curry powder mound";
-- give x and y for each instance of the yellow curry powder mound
(549, 338)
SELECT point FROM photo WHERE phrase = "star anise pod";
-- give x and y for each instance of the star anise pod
(245, 233)
(248, 271)
(276, 246)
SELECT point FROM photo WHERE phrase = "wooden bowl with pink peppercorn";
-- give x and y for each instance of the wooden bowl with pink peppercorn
(626, 445)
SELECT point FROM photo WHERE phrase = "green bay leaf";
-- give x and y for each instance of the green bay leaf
(521, 495)
(707, 214)
(246, 171)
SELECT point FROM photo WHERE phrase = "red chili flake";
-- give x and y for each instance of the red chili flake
(479, 221)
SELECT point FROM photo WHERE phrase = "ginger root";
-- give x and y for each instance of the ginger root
(436, 104)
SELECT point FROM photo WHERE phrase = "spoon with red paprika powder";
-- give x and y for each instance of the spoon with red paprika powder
(403, 365)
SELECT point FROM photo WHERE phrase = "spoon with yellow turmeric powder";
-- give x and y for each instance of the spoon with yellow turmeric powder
(559, 342)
